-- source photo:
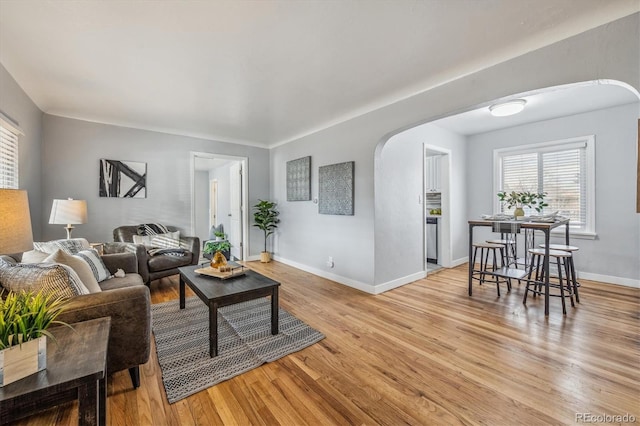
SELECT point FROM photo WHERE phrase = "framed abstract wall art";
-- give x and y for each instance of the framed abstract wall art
(123, 179)
(336, 189)
(299, 179)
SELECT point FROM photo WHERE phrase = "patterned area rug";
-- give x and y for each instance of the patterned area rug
(244, 342)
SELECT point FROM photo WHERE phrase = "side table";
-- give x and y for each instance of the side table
(76, 369)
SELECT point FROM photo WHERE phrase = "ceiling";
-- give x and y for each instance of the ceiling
(265, 72)
(544, 105)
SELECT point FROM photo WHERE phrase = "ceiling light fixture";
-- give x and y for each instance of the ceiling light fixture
(507, 108)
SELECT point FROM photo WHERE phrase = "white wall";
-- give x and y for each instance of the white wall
(399, 217)
(222, 174)
(71, 153)
(15, 104)
(306, 238)
(615, 254)
(201, 184)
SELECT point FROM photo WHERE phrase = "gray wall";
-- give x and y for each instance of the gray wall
(71, 153)
(614, 254)
(15, 104)
(306, 238)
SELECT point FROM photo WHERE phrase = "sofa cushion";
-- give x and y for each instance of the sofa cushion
(79, 265)
(34, 256)
(99, 269)
(50, 278)
(72, 246)
(164, 262)
(165, 242)
(127, 281)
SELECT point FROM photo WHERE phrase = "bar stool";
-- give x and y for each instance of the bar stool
(510, 249)
(560, 257)
(497, 251)
(574, 278)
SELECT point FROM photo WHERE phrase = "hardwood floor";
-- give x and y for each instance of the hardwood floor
(425, 353)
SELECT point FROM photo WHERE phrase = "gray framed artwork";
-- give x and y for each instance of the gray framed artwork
(336, 189)
(123, 179)
(299, 179)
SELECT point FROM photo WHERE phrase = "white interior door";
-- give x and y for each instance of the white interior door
(213, 203)
(235, 211)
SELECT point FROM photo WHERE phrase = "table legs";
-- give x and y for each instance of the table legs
(88, 404)
(213, 329)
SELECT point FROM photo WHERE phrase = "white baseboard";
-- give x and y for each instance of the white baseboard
(458, 262)
(367, 288)
(252, 258)
(389, 285)
(609, 279)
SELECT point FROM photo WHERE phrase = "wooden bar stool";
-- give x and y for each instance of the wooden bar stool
(497, 252)
(572, 268)
(561, 260)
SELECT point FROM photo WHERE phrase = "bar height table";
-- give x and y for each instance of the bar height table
(544, 227)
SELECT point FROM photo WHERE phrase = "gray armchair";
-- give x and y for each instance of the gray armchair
(154, 267)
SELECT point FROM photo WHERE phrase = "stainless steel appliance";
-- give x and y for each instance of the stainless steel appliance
(432, 239)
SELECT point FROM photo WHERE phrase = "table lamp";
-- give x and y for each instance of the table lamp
(68, 212)
(15, 227)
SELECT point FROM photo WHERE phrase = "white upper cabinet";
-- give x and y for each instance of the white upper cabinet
(432, 165)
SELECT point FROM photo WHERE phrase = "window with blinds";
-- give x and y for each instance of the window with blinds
(8, 154)
(562, 169)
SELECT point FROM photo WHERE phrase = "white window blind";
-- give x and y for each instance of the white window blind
(563, 169)
(8, 154)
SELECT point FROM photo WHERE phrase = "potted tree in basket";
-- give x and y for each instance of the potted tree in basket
(266, 218)
(522, 199)
(24, 319)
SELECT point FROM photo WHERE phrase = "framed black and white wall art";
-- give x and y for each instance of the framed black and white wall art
(299, 179)
(336, 189)
(123, 179)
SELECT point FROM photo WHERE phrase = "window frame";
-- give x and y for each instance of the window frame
(589, 230)
(13, 128)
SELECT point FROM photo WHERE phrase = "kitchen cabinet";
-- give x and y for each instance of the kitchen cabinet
(432, 165)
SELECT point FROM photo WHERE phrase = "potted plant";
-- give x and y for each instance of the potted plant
(266, 218)
(211, 247)
(519, 200)
(24, 319)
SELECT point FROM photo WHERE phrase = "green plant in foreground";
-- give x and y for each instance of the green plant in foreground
(26, 316)
(266, 218)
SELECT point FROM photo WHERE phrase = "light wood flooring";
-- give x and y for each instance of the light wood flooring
(422, 354)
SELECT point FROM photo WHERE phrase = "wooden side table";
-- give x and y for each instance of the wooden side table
(76, 369)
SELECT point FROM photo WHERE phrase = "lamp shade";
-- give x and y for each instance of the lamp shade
(68, 212)
(15, 226)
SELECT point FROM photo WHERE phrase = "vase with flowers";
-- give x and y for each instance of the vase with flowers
(519, 200)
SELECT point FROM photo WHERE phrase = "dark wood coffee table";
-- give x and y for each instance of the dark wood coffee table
(76, 369)
(216, 293)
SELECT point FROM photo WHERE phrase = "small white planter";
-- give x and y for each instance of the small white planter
(23, 360)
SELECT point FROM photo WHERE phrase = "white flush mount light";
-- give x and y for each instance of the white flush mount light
(507, 108)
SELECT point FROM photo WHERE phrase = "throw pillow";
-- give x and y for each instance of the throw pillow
(79, 265)
(99, 269)
(146, 239)
(34, 256)
(71, 246)
(50, 278)
(161, 241)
